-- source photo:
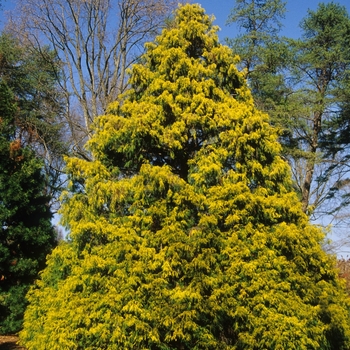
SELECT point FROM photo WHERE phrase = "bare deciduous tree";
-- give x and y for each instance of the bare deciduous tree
(96, 41)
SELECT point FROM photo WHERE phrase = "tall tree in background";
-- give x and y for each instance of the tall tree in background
(32, 77)
(186, 233)
(259, 46)
(26, 233)
(96, 41)
(260, 22)
(336, 141)
(319, 67)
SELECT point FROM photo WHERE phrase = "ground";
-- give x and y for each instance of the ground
(9, 342)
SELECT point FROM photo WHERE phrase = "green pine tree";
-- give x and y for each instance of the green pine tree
(33, 77)
(259, 23)
(26, 233)
(319, 69)
(185, 232)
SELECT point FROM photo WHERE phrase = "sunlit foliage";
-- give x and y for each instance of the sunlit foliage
(185, 231)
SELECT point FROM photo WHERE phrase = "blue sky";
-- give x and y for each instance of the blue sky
(296, 11)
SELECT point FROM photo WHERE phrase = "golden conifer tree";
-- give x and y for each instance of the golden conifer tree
(185, 232)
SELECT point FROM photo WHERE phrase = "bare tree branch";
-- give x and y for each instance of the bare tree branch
(96, 41)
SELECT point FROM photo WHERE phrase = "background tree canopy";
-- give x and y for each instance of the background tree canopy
(26, 232)
(32, 77)
(185, 229)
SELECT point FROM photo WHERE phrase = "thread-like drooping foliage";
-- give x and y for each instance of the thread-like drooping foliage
(185, 232)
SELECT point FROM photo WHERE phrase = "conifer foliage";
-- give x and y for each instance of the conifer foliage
(185, 233)
(26, 232)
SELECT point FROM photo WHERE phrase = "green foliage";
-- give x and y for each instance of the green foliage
(26, 234)
(319, 68)
(32, 76)
(185, 231)
(263, 54)
(30, 148)
(260, 49)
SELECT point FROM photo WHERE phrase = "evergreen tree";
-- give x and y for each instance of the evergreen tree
(262, 52)
(185, 231)
(33, 76)
(26, 233)
(259, 23)
(319, 68)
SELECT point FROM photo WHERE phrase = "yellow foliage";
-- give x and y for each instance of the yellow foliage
(185, 230)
